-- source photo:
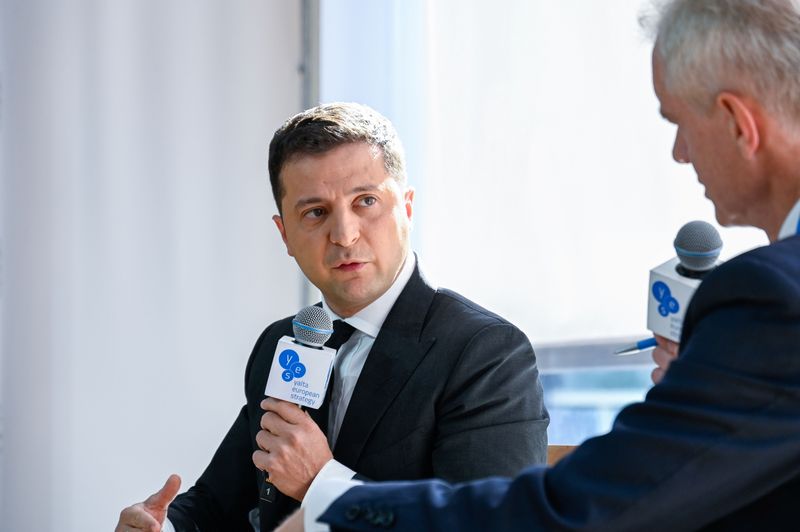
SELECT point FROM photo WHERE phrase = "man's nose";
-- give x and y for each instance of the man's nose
(345, 228)
(679, 151)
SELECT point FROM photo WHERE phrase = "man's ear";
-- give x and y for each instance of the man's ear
(282, 230)
(742, 120)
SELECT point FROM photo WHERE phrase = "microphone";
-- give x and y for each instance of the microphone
(673, 283)
(301, 368)
(302, 365)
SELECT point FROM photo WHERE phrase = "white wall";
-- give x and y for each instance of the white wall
(140, 260)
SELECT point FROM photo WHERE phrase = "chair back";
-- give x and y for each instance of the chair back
(557, 452)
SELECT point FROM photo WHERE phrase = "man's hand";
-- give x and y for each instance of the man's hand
(150, 514)
(293, 449)
(293, 523)
(665, 352)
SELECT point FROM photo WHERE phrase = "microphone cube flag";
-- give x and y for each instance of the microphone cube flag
(299, 373)
(669, 295)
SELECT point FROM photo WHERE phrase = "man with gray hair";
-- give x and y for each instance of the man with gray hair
(425, 382)
(716, 443)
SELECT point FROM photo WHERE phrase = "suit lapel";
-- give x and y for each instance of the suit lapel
(394, 356)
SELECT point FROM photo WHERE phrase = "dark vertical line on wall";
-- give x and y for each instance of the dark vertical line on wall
(310, 66)
(310, 73)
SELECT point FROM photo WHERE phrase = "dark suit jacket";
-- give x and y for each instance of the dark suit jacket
(448, 390)
(715, 445)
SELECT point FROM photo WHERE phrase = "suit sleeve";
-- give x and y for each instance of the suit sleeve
(718, 433)
(491, 418)
(226, 491)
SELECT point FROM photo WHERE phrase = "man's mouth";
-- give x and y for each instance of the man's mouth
(349, 266)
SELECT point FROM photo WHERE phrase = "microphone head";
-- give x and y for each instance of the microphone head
(312, 326)
(698, 245)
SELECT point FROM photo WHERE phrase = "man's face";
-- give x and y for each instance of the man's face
(346, 222)
(708, 139)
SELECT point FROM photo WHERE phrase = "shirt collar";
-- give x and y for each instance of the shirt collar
(369, 320)
(791, 226)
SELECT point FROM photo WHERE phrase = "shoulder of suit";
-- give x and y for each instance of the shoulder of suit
(773, 267)
(271, 333)
(277, 328)
(451, 302)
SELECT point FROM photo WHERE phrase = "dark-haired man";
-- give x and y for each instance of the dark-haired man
(428, 384)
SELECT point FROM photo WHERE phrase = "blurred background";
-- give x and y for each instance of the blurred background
(138, 261)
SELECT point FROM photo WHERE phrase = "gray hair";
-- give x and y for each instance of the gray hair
(712, 45)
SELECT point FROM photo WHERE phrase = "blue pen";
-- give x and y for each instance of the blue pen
(641, 345)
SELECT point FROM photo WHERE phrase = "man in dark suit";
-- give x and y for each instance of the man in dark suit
(426, 383)
(716, 443)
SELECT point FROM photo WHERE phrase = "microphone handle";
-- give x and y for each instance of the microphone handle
(268, 492)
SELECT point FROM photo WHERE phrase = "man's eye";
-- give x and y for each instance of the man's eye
(314, 213)
(368, 200)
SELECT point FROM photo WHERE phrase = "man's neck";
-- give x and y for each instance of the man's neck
(782, 166)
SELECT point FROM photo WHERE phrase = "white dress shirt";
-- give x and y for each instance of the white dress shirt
(791, 226)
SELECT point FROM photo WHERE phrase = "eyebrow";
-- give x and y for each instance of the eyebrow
(302, 202)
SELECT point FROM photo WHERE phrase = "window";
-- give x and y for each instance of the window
(545, 185)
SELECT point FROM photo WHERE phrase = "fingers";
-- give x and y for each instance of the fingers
(670, 346)
(276, 445)
(290, 412)
(264, 440)
(663, 355)
(261, 460)
(161, 499)
(272, 464)
(150, 514)
(272, 422)
(292, 457)
(656, 375)
(136, 518)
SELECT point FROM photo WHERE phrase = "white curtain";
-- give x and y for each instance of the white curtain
(140, 261)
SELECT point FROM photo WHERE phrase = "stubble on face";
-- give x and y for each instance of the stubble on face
(346, 223)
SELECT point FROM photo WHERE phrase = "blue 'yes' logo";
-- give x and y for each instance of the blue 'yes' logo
(292, 367)
(669, 305)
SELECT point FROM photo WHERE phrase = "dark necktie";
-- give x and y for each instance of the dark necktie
(342, 332)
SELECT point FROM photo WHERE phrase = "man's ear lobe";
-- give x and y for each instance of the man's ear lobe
(282, 230)
(742, 122)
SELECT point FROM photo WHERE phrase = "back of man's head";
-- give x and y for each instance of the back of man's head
(325, 127)
(748, 46)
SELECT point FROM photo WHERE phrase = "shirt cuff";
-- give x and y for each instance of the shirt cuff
(167, 526)
(330, 483)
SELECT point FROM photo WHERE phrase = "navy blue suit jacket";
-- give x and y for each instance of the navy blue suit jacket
(448, 390)
(715, 445)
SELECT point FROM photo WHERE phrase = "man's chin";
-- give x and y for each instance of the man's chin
(727, 219)
(350, 299)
